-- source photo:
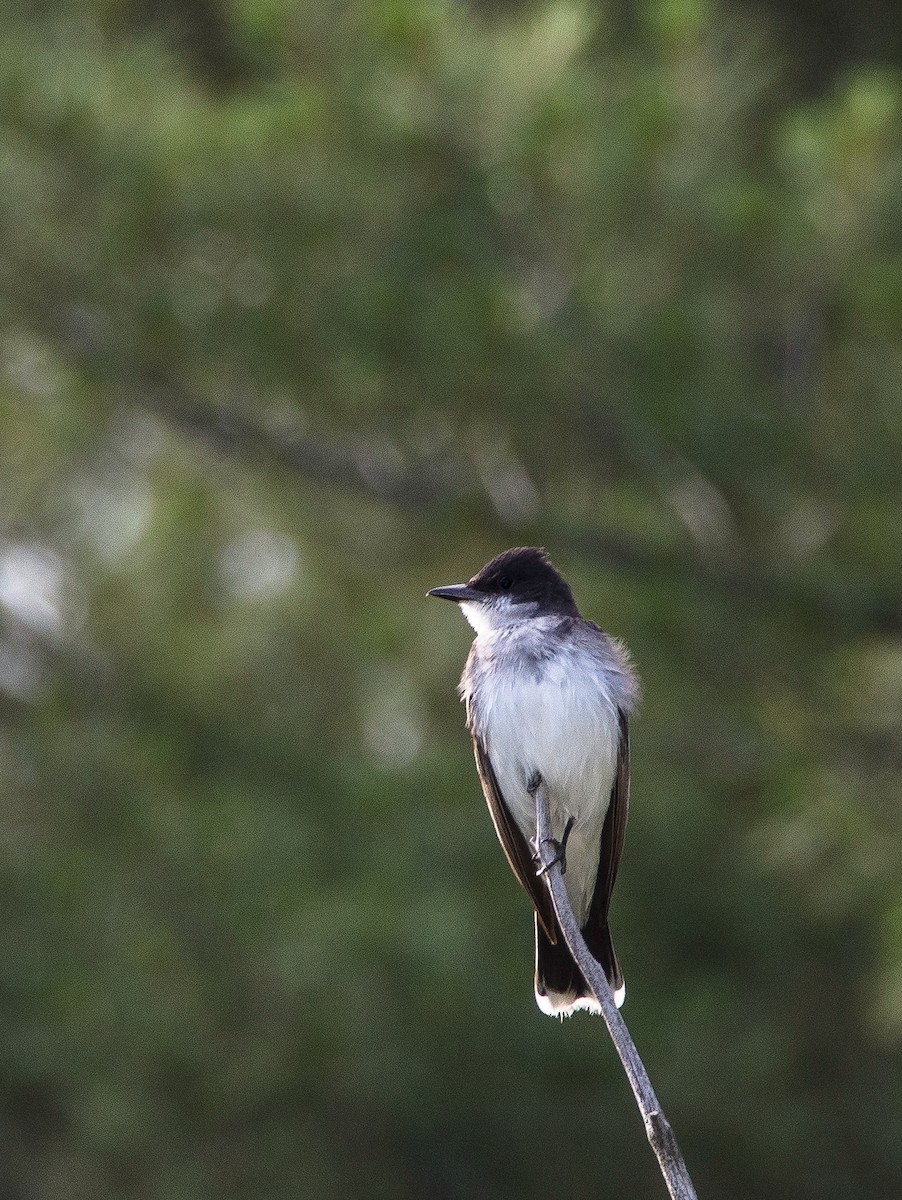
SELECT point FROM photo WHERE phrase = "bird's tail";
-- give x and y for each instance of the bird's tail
(560, 987)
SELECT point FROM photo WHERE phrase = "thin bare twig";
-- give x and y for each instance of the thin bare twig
(657, 1127)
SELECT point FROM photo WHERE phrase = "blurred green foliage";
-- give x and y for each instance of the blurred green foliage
(304, 311)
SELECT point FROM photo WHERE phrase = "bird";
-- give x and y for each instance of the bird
(548, 698)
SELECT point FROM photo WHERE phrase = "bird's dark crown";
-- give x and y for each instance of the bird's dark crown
(526, 574)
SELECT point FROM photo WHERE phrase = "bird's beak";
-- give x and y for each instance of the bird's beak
(458, 592)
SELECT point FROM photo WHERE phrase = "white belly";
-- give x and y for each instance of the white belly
(564, 726)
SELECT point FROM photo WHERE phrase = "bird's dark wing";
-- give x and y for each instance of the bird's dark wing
(613, 831)
(513, 842)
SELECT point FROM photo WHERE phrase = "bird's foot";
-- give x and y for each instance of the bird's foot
(560, 851)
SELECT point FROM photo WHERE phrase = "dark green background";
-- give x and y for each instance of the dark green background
(304, 310)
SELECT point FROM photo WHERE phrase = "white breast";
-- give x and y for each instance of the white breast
(563, 724)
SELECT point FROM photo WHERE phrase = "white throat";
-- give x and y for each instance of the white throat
(499, 613)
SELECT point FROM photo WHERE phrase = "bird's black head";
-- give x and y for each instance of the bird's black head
(522, 576)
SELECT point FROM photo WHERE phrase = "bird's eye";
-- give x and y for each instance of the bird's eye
(505, 583)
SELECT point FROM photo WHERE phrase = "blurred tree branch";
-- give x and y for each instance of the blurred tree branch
(203, 31)
(657, 1128)
(829, 603)
(355, 468)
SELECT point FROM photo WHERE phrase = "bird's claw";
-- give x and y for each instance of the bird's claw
(560, 851)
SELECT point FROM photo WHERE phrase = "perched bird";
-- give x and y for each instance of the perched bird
(548, 697)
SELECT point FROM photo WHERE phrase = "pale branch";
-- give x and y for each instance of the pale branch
(657, 1127)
